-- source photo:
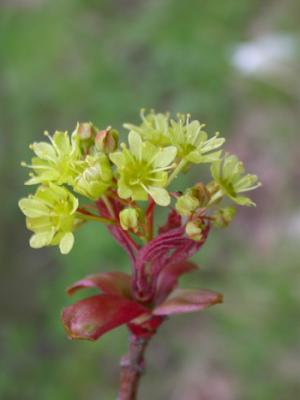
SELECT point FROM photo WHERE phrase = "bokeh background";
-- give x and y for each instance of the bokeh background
(233, 64)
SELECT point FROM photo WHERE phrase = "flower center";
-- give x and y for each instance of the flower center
(141, 173)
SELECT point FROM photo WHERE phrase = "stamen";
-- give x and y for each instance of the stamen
(23, 164)
(155, 179)
(46, 133)
(187, 121)
(145, 188)
(142, 114)
(163, 168)
(145, 121)
(196, 135)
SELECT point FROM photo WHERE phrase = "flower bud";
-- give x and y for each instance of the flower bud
(193, 230)
(224, 216)
(85, 133)
(129, 219)
(85, 130)
(187, 204)
(200, 192)
(107, 140)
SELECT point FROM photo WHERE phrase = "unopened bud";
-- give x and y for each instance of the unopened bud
(201, 193)
(129, 219)
(193, 229)
(186, 204)
(107, 140)
(85, 130)
(224, 216)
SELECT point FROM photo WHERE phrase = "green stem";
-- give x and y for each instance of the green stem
(96, 218)
(177, 170)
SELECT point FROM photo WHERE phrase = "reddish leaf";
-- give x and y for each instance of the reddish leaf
(117, 283)
(92, 317)
(187, 300)
(168, 278)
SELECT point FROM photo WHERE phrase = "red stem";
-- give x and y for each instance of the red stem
(132, 367)
(149, 217)
(130, 240)
(82, 210)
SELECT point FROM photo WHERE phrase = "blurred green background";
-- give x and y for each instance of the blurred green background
(100, 60)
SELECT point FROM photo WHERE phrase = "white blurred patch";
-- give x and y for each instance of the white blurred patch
(266, 54)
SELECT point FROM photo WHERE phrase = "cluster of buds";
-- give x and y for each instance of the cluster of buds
(125, 182)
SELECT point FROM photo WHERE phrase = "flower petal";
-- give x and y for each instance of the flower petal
(215, 169)
(33, 208)
(124, 191)
(41, 239)
(44, 151)
(66, 243)
(187, 300)
(212, 144)
(165, 156)
(62, 142)
(160, 196)
(196, 156)
(92, 317)
(243, 201)
(117, 158)
(135, 144)
(117, 283)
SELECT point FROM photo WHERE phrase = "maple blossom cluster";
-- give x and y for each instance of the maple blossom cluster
(124, 184)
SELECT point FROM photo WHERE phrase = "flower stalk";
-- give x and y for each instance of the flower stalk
(132, 368)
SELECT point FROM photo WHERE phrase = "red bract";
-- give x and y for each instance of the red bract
(116, 283)
(143, 300)
(168, 278)
(91, 317)
(187, 300)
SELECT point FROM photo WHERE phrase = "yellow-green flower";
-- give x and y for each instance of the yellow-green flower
(142, 170)
(95, 177)
(230, 180)
(192, 142)
(51, 215)
(154, 128)
(55, 161)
